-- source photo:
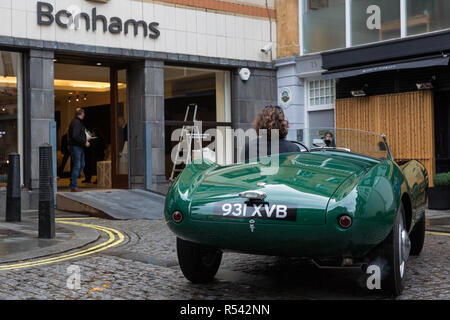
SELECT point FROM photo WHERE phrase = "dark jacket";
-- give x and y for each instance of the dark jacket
(65, 144)
(77, 134)
(284, 147)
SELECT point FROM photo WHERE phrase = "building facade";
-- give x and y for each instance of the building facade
(372, 65)
(135, 66)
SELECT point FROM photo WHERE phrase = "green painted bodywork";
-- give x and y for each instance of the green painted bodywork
(322, 185)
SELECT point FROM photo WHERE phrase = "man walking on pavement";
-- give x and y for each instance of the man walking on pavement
(77, 142)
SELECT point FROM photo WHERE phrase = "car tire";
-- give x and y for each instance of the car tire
(418, 236)
(393, 253)
(198, 263)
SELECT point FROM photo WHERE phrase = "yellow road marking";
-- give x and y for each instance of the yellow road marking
(87, 218)
(111, 242)
(438, 233)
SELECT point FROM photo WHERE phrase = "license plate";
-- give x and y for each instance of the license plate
(265, 211)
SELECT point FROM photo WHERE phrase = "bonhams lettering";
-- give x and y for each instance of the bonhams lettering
(64, 18)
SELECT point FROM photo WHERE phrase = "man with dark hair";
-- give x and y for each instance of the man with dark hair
(77, 142)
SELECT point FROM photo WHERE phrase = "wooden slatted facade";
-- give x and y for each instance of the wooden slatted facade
(406, 118)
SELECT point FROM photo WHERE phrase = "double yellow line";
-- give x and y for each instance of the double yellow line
(438, 233)
(115, 237)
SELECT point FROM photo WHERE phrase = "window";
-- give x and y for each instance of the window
(389, 25)
(10, 108)
(323, 25)
(321, 94)
(334, 24)
(427, 15)
(208, 92)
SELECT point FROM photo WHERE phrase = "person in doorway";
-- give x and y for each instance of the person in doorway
(77, 142)
(66, 154)
(95, 153)
(271, 118)
(123, 132)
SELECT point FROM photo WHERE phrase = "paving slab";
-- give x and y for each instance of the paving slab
(116, 204)
(438, 220)
(19, 241)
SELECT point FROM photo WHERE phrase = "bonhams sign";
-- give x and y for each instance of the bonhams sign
(72, 17)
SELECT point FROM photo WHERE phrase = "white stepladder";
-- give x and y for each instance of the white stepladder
(188, 134)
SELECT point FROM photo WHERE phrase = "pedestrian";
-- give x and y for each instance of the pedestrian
(77, 142)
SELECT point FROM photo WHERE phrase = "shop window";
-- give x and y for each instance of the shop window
(209, 91)
(366, 30)
(10, 109)
(323, 25)
(428, 15)
(321, 94)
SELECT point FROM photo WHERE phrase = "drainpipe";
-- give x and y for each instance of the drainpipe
(270, 28)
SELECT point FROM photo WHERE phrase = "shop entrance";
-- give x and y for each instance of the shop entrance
(101, 90)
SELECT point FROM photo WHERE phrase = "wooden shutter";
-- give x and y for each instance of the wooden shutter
(406, 118)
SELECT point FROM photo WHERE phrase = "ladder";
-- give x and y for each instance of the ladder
(190, 133)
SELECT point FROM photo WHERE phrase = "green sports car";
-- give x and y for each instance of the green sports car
(343, 205)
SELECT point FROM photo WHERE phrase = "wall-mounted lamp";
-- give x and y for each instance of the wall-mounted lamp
(361, 92)
(426, 85)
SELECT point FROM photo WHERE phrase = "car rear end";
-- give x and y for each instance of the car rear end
(251, 209)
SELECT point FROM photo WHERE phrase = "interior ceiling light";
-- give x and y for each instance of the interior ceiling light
(8, 81)
(92, 86)
(69, 85)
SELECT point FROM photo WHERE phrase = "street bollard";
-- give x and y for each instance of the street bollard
(13, 193)
(46, 200)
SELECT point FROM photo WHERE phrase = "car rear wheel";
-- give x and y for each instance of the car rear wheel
(198, 263)
(418, 237)
(395, 252)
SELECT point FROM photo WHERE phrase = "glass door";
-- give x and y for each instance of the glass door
(119, 128)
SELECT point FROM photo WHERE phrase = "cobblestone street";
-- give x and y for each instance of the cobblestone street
(145, 266)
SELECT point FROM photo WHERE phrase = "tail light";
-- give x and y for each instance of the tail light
(177, 216)
(345, 221)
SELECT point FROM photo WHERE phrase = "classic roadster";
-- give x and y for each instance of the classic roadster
(346, 205)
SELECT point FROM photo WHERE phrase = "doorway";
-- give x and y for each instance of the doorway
(101, 90)
(442, 132)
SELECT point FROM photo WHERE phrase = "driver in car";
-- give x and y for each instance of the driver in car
(328, 140)
(270, 118)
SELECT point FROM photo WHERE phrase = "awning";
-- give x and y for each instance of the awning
(401, 65)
